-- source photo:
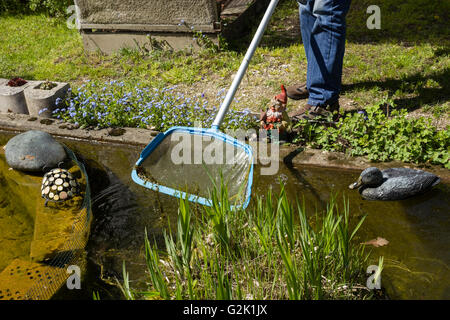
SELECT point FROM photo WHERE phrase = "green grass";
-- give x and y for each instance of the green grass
(273, 250)
(406, 61)
(40, 47)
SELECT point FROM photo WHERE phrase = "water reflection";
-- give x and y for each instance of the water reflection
(416, 259)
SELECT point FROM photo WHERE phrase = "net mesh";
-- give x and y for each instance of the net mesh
(73, 252)
(40, 279)
(196, 163)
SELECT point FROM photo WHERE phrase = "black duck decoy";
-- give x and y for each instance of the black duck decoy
(394, 183)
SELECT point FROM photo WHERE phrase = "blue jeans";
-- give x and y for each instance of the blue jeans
(323, 29)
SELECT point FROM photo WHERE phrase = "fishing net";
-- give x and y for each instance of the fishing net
(189, 162)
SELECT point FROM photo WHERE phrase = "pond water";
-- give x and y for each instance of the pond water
(16, 216)
(416, 259)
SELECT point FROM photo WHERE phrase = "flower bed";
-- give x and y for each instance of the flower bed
(116, 104)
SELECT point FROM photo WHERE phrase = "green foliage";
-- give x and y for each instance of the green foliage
(156, 275)
(266, 252)
(180, 251)
(218, 216)
(410, 19)
(96, 296)
(126, 284)
(47, 85)
(203, 41)
(327, 250)
(407, 60)
(13, 6)
(51, 7)
(381, 137)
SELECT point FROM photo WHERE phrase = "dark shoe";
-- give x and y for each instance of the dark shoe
(309, 112)
(297, 114)
(297, 92)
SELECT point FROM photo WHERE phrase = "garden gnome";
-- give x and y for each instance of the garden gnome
(275, 117)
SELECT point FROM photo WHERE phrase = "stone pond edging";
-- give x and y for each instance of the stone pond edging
(141, 137)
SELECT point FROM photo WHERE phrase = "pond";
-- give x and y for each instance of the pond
(416, 258)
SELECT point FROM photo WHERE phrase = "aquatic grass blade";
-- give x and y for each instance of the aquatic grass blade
(156, 276)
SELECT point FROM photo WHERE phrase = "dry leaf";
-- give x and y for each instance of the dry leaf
(378, 242)
(29, 157)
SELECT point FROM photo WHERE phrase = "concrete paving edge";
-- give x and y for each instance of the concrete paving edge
(141, 137)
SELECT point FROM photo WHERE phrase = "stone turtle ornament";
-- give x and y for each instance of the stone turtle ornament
(59, 185)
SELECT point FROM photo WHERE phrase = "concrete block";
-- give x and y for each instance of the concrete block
(112, 42)
(12, 99)
(38, 99)
(147, 12)
(110, 25)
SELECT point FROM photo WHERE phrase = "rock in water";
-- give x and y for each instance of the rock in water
(34, 151)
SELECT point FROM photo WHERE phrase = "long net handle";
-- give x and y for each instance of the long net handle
(244, 65)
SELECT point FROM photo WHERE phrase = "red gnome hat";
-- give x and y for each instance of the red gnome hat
(282, 97)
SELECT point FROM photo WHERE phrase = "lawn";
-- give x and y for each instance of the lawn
(406, 61)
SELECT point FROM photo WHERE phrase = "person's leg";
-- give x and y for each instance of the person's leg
(307, 21)
(325, 45)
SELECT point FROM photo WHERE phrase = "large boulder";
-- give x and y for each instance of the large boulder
(34, 151)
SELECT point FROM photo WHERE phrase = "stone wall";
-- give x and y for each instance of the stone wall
(148, 12)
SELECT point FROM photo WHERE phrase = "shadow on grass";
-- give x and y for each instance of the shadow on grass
(413, 86)
(406, 22)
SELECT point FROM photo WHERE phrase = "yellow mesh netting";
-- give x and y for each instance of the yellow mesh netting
(61, 232)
